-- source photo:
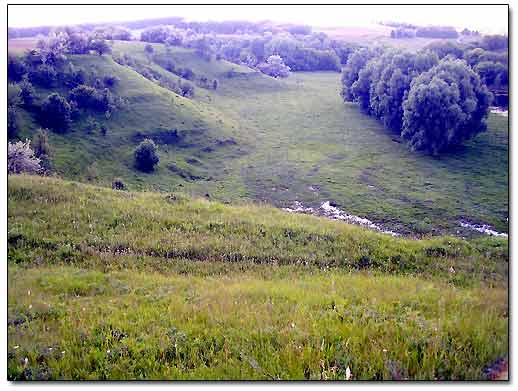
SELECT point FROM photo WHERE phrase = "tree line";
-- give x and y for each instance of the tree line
(433, 103)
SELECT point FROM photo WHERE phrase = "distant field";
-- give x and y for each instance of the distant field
(107, 284)
(20, 45)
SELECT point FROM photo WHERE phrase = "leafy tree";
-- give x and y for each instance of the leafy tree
(20, 158)
(146, 157)
(27, 92)
(157, 34)
(489, 71)
(350, 72)
(99, 45)
(275, 67)
(446, 105)
(55, 113)
(445, 48)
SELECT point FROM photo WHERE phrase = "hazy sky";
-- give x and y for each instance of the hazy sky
(491, 19)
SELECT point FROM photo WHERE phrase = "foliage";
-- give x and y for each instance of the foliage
(20, 158)
(43, 75)
(40, 143)
(146, 157)
(15, 68)
(118, 184)
(275, 67)
(27, 92)
(446, 106)
(55, 113)
(99, 45)
(88, 97)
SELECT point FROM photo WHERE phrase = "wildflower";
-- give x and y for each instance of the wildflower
(348, 374)
(385, 350)
(292, 325)
(108, 351)
(25, 362)
(16, 347)
(63, 352)
(29, 292)
(30, 306)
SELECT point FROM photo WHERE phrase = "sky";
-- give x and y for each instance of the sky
(486, 18)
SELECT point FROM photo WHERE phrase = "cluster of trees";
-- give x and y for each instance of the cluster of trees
(434, 104)
(491, 65)
(300, 49)
(47, 66)
(181, 87)
(274, 67)
(402, 33)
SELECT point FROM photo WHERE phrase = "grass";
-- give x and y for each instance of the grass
(121, 285)
(280, 141)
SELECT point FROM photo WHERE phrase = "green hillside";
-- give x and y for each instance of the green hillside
(256, 138)
(108, 284)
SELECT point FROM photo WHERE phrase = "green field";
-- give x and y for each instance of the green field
(280, 141)
(121, 285)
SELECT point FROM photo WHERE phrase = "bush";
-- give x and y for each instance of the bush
(20, 158)
(15, 68)
(110, 81)
(275, 67)
(149, 49)
(55, 113)
(88, 97)
(43, 75)
(118, 184)
(27, 92)
(186, 89)
(146, 157)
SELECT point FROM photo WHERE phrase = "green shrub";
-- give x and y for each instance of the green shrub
(146, 157)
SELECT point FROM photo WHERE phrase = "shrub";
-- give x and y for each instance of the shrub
(146, 157)
(55, 113)
(118, 184)
(100, 46)
(275, 67)
(110, 81)
(15, 68)
(43, 75)
(27, 92)
(88, 97)
(149, 49)
(20, 158)
(186, 89)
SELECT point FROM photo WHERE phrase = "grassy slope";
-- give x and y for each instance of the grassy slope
(151, 109)
(291, 134)
(147, 285)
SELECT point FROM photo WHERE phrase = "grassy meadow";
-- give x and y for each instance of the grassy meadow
(108, 284)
